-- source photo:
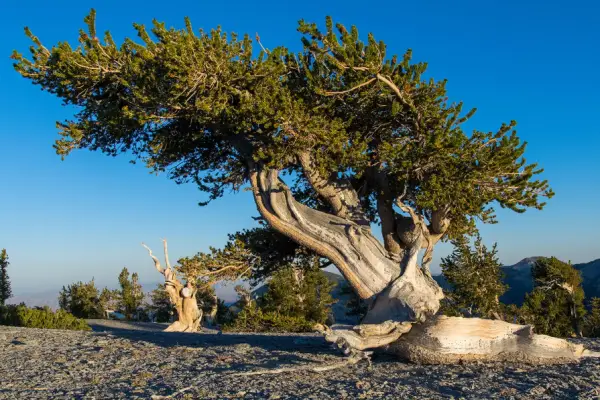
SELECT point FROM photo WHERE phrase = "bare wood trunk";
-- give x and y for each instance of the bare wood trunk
(359, 256)
(403, 296)
(413, 296)
(453, 339)
(189, 314)
(182, 297)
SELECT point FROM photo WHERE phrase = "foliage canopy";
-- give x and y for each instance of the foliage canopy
(206, 106)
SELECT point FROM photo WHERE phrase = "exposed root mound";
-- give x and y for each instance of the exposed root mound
(449, 340)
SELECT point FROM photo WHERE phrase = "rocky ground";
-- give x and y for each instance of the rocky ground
(130, 361)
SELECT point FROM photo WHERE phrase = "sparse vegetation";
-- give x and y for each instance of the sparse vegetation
(253, 319)
(592, 320)
(44, 318)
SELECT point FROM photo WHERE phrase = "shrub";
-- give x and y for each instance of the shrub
(44, 318)
(81, 299)
(161, 305)
(254, 319)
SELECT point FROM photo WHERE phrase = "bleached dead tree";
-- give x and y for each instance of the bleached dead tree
(366, 138)
(183, 297)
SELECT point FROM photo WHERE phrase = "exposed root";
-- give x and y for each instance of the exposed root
(450, 340)
(172, 395)
(355, 358)
(366, 336)
(590, 354)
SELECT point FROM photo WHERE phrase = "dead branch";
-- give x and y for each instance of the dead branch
(156, 262)
(354, 359)
(352, 89)
(166, 254)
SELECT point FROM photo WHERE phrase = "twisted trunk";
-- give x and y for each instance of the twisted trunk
(182, 297)
(403, 296)
(398, 291)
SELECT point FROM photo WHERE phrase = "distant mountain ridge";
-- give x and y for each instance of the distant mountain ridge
(519, 280)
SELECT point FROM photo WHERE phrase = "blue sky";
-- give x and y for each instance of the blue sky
(533, 61)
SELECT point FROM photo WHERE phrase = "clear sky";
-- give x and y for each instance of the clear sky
(534, 61)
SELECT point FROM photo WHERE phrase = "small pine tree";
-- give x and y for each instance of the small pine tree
(109, 299)
(592, 320)
(161, 305)
(5, 289)
(81, 299)
(299, 292)
(476, 277)
(555, 306)
(207, 302)
(131, 295)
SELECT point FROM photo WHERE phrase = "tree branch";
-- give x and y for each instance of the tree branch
(166, 254)
(338, 193)
(352, 89)
(156, 262)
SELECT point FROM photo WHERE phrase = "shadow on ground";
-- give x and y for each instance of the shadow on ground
(153, 333)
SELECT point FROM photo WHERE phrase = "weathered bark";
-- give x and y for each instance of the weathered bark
(351, 247)
(403, 295)
(449, 340)
(453, 339)
(182, 297)
(413, 296)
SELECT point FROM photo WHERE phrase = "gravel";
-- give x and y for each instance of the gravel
(137, 361)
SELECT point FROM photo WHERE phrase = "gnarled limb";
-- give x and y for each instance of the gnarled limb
(450, 340)
(353, 249)
(366, 336)
(338, 193)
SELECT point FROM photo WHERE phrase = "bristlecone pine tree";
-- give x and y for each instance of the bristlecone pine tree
(5, 289)
(130, 295)
(476, 278)
(366, 138)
